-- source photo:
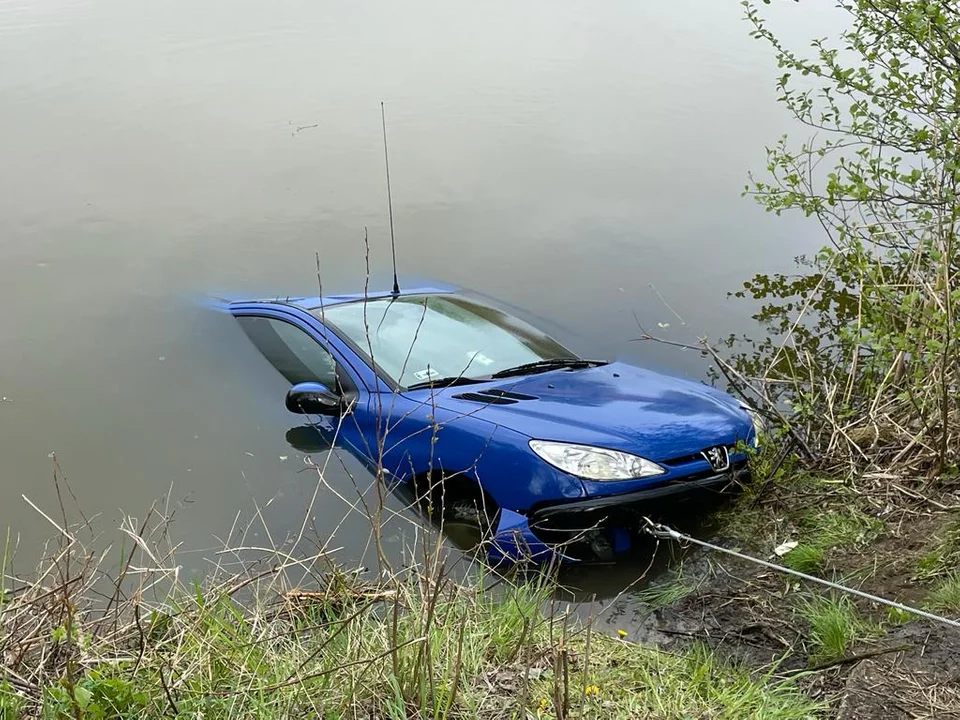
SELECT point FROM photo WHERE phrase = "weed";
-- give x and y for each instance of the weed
(665, 592)
(626, 681)
(929, 563)
(835, 626)
(943, 556)
(10, 702)
(896, 616)
(838, 523)
(823, 531)
(414, 644)
(945, 597)
(845, 527)
(97, 696)
(804, 558)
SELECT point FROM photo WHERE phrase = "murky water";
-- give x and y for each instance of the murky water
(584, 161)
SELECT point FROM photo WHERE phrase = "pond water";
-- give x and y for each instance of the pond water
(584, 161)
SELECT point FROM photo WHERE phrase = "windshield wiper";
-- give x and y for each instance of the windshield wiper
(549, 364)
(451, 381)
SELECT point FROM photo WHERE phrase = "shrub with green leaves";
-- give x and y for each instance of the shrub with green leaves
(96, 696)
(863, 345)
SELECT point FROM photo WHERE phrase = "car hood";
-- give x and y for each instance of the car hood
(620, 406)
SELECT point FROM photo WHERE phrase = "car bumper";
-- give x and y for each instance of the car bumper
(540, 534)
(627, 504)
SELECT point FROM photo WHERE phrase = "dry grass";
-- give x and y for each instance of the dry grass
(274, 634)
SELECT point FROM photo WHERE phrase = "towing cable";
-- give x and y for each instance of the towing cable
(663, 532)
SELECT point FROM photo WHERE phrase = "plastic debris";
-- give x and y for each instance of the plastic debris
(784, 548)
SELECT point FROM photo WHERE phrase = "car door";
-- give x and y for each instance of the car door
(299, 355)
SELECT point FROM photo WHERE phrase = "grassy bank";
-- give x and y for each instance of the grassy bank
(98, 632)
(79, 644)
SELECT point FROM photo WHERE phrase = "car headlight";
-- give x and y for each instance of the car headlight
(594, 463)
(758, 424)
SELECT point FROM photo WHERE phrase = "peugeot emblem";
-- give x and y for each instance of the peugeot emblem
(718, 457)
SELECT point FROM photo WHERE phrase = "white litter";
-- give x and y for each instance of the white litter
(784, 548)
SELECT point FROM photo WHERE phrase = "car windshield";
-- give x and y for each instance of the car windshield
(421, 338)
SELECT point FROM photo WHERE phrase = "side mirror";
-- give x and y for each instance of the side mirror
(313, 399)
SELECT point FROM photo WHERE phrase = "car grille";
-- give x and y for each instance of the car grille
(734, 470)
(693, 457)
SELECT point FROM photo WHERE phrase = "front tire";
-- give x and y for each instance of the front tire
(459, 507)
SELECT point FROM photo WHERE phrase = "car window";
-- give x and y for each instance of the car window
(296, 355)
(417, 338)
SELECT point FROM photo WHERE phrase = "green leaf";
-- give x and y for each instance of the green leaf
(82, 696)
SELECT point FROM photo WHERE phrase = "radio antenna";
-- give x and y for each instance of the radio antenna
(386, 160)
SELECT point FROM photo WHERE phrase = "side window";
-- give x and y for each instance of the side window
(296, 355)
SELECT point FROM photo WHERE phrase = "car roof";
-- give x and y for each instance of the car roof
(315, 302)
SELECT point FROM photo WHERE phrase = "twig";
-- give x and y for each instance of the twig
(142, 638)
(918, 496)
(166, 691)
(847, 660)
(49, 519)
(126, 566)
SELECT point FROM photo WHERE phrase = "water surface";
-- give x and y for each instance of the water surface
(584, 161)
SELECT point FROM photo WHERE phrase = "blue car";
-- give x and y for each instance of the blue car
(487, 419)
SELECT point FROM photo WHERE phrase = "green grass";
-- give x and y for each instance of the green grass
(626, 681)
(10, 702)
(929, 563)
(804, 558)
(943, 556)
(665, 592)
(835, 626)
(820, 532)
(896, 616)
(945, 597)
(762, 514)
(462, 653)
(242, 642)
(841, 528)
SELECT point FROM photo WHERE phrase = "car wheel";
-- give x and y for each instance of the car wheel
(470, 512)
(466, 514)
(466, 523)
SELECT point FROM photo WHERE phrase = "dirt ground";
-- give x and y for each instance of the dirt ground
(921, 682)
(747, 613)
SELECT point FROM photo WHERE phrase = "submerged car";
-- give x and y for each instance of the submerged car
(553, 455)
